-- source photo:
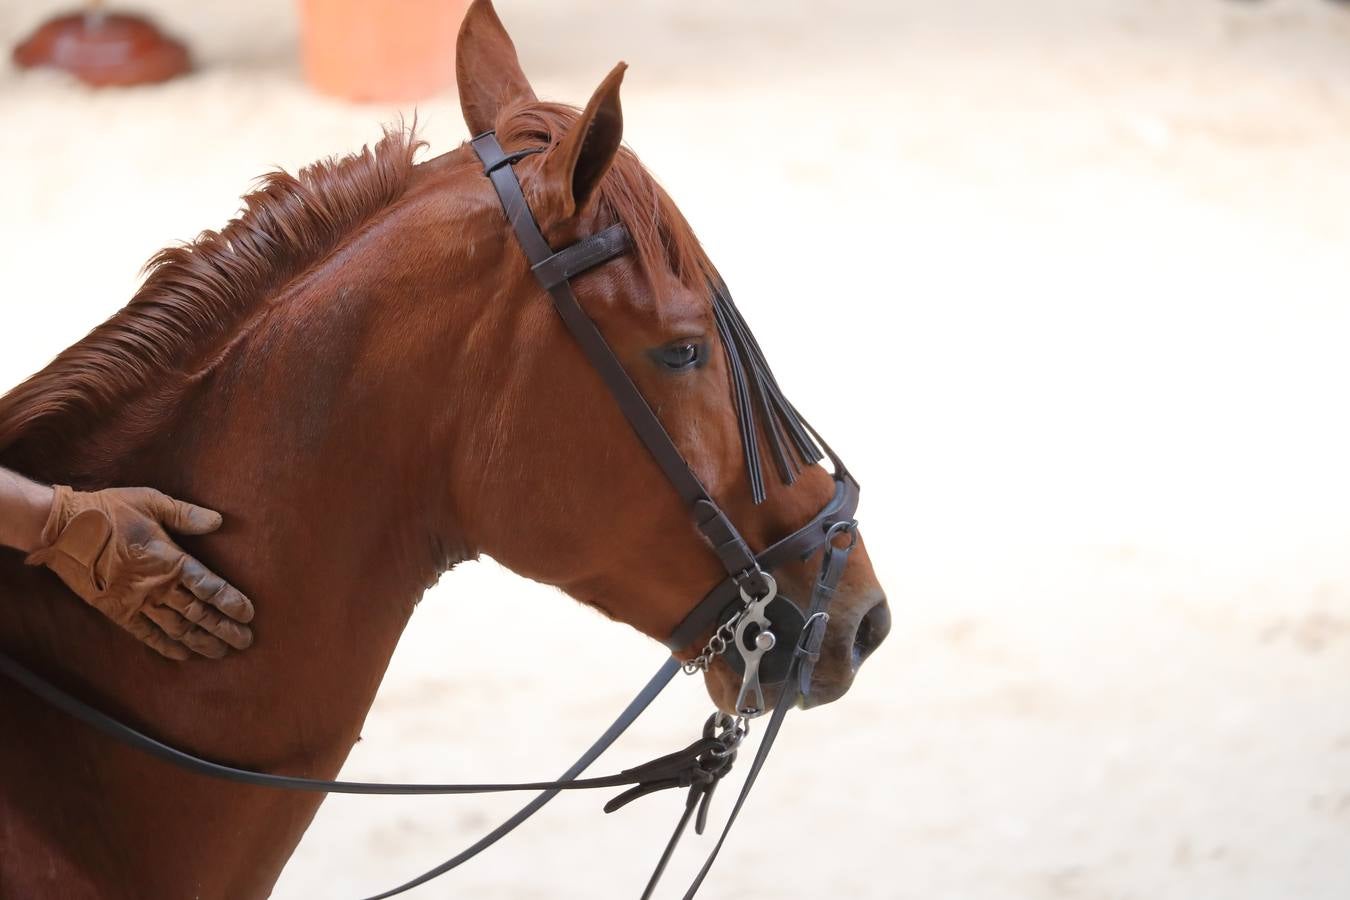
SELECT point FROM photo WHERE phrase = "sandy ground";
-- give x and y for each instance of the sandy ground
(1090, 260)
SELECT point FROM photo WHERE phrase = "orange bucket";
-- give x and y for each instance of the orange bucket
(365, 51)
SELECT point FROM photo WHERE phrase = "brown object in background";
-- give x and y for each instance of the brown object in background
(104, 49)
(366, 51)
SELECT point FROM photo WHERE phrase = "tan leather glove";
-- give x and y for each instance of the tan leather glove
(110, 547)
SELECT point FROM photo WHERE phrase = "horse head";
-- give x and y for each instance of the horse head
(561, 490)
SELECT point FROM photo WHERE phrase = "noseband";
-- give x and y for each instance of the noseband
(776, 640)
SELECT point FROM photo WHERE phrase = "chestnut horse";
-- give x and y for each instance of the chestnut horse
(361, 373)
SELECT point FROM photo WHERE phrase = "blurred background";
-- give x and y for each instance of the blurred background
(1090, 259)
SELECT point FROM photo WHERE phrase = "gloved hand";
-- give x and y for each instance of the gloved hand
(110, 547)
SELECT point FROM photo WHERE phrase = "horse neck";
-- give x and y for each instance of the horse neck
(323, 431)
(332, 498)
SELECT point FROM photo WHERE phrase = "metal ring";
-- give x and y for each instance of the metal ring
(734, 731)
(844, 526)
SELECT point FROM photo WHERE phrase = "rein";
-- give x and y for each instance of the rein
(777, 642)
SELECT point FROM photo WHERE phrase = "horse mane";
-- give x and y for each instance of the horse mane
(195, 295)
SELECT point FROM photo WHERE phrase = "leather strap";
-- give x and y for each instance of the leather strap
(125, 734)
(832, 568)
(799, 545)
(732, 551)
(786, 700)
(797, 682)
(630, 714)
(583, 255)
(667, 769)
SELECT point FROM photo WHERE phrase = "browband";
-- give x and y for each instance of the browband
(581, 256)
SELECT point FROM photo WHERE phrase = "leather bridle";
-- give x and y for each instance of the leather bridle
(776, 641)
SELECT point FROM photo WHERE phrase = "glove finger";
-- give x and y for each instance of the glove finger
(180, 629)
(210, 587)
(156, 640)
(183, 517)
(205, 644)
(231, 632)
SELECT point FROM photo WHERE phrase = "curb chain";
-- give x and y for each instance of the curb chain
(716, 646)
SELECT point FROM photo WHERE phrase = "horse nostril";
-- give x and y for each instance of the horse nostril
(872, 630)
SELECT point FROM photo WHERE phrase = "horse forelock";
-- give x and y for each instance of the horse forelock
(195, 296)
(662, 239)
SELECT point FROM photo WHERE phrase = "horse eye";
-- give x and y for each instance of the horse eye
(680, 355)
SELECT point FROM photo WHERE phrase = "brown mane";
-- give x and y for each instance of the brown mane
(196, 294)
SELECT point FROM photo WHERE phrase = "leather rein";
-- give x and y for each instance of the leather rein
(777, 641)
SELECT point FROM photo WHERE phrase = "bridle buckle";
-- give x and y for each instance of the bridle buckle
(754, 582)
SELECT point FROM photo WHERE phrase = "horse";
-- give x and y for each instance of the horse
(360, 372)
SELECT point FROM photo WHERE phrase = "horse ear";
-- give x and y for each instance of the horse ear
(487, 69)
(574, 169)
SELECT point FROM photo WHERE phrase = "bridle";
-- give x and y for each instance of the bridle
(748, 575)
(776, 641)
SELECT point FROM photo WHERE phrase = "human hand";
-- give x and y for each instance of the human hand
(111, 548)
